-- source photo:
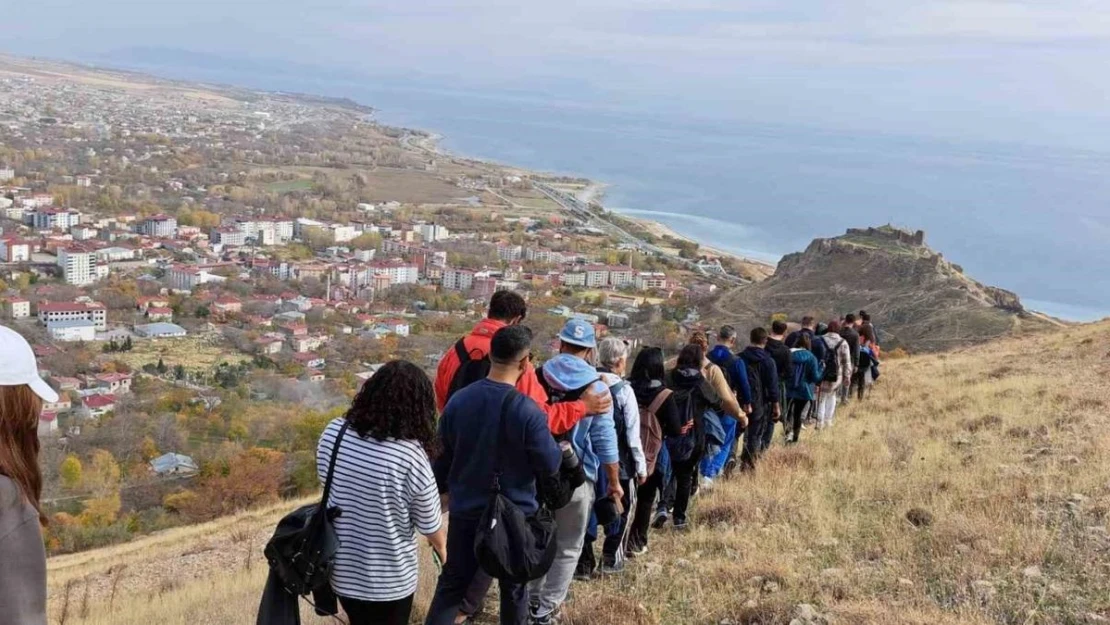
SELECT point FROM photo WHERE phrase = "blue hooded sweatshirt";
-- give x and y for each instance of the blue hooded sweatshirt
(734, 368)
(594, 438)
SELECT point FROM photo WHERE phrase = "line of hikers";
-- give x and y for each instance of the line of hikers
(534, 465)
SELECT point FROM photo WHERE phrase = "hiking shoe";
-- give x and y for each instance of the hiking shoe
(660, 519)
(583, 573)
(706, 483)
(637, 550)
(546, 619)
(612, 568)
(730, 468)
(681, 526)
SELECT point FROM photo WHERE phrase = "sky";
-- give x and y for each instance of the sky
(1000, 70)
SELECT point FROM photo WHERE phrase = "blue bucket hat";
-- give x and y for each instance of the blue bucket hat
(579, 332)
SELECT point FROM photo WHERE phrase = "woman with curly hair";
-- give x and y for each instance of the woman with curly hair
(384, 485)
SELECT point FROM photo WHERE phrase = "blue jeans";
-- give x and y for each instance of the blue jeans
(712, 466)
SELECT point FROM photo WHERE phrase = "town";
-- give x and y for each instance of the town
(204, 275)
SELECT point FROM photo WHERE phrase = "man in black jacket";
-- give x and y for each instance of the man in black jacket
(849, 333)
(780, 353)
(769, 410)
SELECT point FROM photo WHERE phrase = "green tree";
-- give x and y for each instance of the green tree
(179, 372)
(162, 368)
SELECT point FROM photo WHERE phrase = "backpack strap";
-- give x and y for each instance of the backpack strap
(331, 467)
(460, 350)
(657, 403)
(502, 438)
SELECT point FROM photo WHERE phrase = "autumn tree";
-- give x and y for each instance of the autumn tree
(70, 472)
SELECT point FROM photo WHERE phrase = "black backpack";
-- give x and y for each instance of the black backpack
(302, 550)
(624, 452)
(728, 365)
(509, 545)
(832, 361)
(681, 448)
(470, 370)
(755, 381)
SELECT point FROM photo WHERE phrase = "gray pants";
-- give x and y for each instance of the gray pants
(547, 593)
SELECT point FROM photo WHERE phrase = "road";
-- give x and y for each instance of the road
(582, 211)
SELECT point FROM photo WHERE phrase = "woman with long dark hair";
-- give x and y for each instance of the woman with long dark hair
(384, 485)
(647, 381)
(22, 392)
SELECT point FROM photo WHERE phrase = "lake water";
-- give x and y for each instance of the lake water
(1028, 219)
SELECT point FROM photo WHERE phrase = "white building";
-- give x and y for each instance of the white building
(432, 232)
(94, 312)
(188, 277)
(342, 234)
(399, 273)
(229, 236)
(574, 279)
(160, 330)
(18, 308)
(54, 219)
(6, 174)
(71, 330)
(162, 226)
(620, 276)
(646, 281)
(114, 254)
(83, 233)
(597, 276)
(458, 279)
(80, 266)
(13, 250)
(510, 253)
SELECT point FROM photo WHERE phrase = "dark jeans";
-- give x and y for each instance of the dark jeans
(645, 502)
(458, 574)
(475, 600)
(797, 410)
(377, 612)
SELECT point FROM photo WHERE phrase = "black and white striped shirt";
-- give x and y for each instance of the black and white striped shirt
(387, 493)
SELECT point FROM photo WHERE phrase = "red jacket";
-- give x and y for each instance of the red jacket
(560, 417)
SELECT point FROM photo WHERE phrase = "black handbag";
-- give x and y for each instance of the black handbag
(509, 545)
(302, 550)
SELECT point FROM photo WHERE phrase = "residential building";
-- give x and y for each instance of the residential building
(6, 174)
(48, 424)
(574, 279)
(161, 226)
(17, 308)
(152, 301)
(597, 276)
(83, 233)
(159, 313)
(510, 253)
(645, 281)
(398, 272)
(79, 265)
(115, 383)
(227, 305)
(620, 276)
(400, 327)
(54, 219)
(458, 279)
(229, 236)
(160, 330)
(94, 312)
(431, 233)
(71, 330)
(14, 250)
(95, 406)
(189, 277)
(342, 234)
(114, 254)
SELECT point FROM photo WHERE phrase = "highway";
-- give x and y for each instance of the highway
(582, 211)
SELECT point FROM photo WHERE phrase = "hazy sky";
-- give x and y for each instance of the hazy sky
(1030, 71)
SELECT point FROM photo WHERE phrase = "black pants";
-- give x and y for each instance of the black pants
(459, 572)
(797, 411)
(377, 612)
(753, 439)
(684, 487)
(645, 505)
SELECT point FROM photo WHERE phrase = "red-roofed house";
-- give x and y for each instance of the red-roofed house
(310, 360)
(156, 313)
(116, 383)
(97, 406)
(70, 311)
(227, 305)
(155, 301)
(48, 423)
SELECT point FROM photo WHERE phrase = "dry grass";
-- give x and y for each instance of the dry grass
(192, 352)
(973, 487)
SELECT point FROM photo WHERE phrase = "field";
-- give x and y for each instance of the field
(972, 487)
(408, 186)
(192, 352)
(287, 186)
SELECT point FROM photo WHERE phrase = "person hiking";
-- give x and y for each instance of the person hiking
(383, 483)
(468, 431)
(694, 395)
(732, 386)
(837, 372)
(809, 328)
(806, 371)
(780, 353)
(848, 333)
(508, 308)
(648, 382)
(612, 355)
(22, 393)
(868, 365)
(594, 440)
(868, 331)
(764, 379)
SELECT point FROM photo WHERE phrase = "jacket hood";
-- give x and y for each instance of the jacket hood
(566, 373)
(753, 354)
(687, 378)
(719, 354)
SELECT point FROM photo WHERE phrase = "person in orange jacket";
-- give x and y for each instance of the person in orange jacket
(509, 308)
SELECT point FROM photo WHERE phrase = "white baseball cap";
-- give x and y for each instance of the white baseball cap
(18, 366)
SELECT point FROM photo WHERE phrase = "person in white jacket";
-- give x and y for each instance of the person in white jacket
(830, 389)
(613, 360)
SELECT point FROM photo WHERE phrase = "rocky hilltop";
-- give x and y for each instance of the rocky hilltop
(919, 299)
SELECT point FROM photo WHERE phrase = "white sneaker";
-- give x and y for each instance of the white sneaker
(706, 483)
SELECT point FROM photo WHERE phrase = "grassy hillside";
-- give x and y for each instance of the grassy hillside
(974, 487)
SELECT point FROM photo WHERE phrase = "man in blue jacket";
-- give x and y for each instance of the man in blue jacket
(471, 448)
(768, 408)
(594, 439)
